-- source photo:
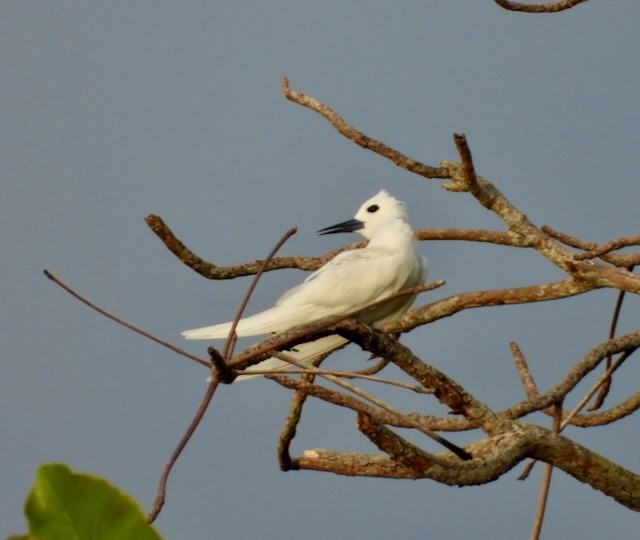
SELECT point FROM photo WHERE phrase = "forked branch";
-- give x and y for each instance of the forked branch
(506, 441)
(546, 7)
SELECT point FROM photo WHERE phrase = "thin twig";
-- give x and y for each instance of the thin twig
(342, 374)
(602, 380)
(231, 337)
(218, 374)
(526, 471)
(626, 342)
(462, 454)
(124, 323)
(606, 385)
(569, 240)
(543, 496)
(377, 368)
(612, 245)
(621, 260)
(161, 493)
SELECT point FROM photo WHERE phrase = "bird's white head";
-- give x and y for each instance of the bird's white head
(381, 210)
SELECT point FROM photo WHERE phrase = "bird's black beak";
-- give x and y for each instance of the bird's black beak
(350, 225)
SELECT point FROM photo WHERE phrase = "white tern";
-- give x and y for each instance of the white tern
(352, 280)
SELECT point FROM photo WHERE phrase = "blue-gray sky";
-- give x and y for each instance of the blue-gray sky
(111, 111)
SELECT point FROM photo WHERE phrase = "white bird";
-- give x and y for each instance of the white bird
(352, 280)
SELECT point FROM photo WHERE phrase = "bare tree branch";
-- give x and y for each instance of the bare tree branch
(508, 238)
(161, 494)
(451, 305)
(547, 7)
(123, 322)
(359, 138)
(526, 378)
(220, 372)
(506, 441)
(211, 271)
(610, 246)
(543, 496)
(601, 473)
(494, 456)
(620, 260)
(500, 453)
(288, 430)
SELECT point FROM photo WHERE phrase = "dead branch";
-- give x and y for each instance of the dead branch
(381, 405)
(545, 485)
(499, 453)
(494, 456)
(620, 260)
(220, 372)
(507, 441)
(445, 389)
(602, 418)
(122, 322)
(547, 7)
(537, 403)
(212, 271)
(529, 385)
(359, 138)
(587, 466)
(288, 430)
(161, 493)
(595, 274)
(612, 245)
(463, 176)
(451, 305)
(606, 384)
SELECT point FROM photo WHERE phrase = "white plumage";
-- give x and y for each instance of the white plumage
(352, 280)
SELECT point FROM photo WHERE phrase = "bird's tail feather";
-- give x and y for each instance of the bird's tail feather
(275, 319)
(304, 353)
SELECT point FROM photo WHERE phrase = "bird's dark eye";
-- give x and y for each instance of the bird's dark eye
(373, 208)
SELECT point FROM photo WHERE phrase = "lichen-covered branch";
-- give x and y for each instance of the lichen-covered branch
(587, 466)
(507, 441)
(346, 129)
(413, 462)
(212, 271)
(497, 455)
(591, 249)
(446, 307)
(608, 247)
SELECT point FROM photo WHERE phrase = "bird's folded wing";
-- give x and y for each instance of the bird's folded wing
(347, 283)
(354, 279)
(275, 319)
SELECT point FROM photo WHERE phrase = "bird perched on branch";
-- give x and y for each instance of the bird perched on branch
(354, 279)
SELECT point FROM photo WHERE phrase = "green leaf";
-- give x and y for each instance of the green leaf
(64, 505)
